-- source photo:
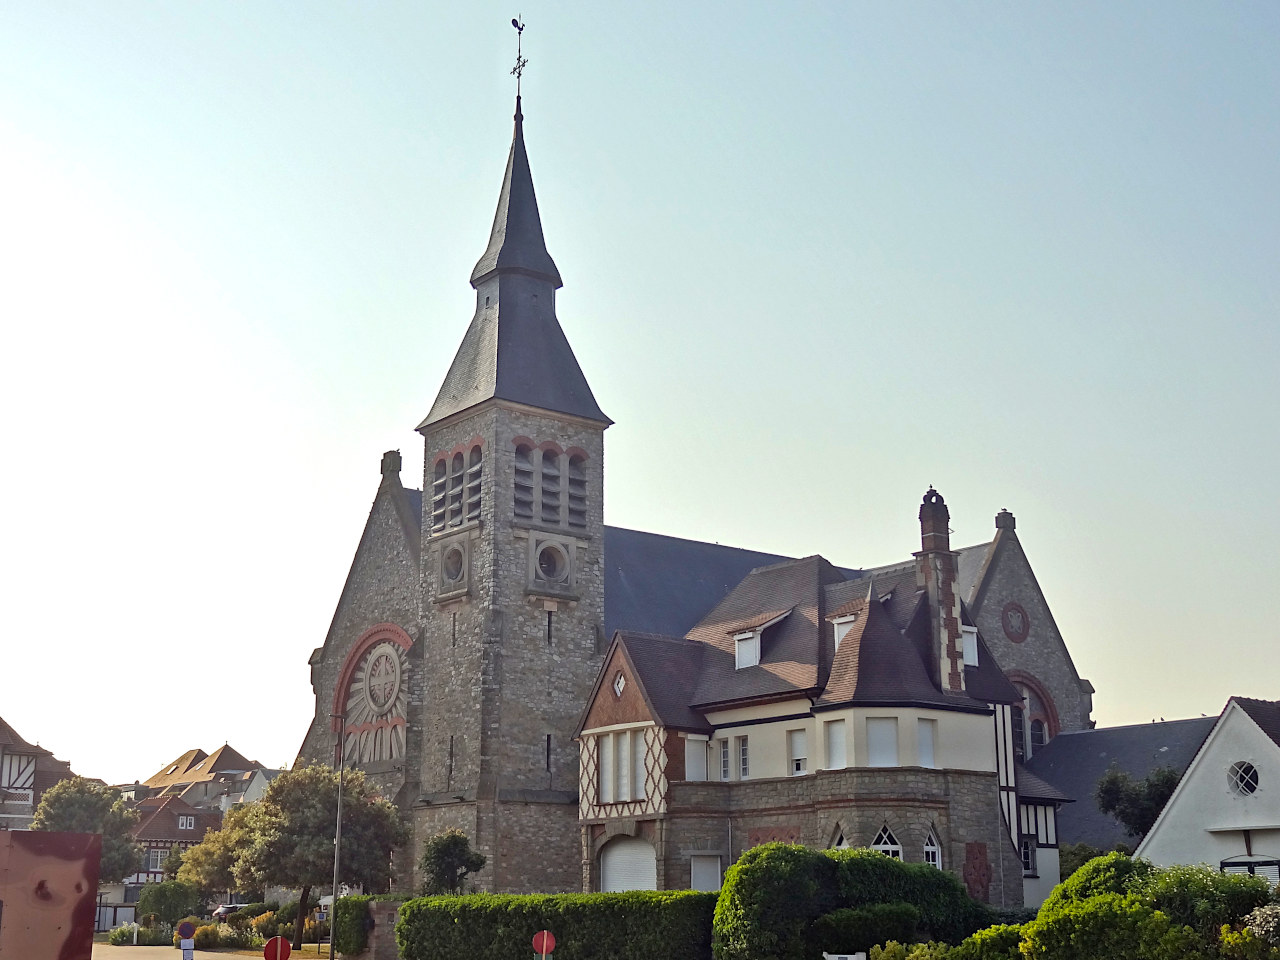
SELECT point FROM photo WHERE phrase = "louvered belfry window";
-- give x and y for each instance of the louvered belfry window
(456, 486)
(524, 483)
(577, 491)
(550, 487)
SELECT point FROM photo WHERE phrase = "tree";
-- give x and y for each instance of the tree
(289, 834)
(447, 858)
(86, 806)
(210, 864)
(172, 863)
(1135, 804)
(170, 901)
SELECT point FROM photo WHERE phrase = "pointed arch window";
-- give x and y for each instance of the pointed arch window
(887, 843)
(932, 851)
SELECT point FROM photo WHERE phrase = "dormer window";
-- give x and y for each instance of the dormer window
(842, 626)
(619, 684)
(746, 649)
(186, 823)
(969, 636)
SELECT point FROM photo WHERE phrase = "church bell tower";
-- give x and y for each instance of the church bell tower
(512, 567)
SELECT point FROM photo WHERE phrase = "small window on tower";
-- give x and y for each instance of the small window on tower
(523, 497)
(578, 491)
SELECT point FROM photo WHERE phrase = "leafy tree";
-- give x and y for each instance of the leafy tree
(1073, 856)
(79, 805)
(170, 901)
(447, 858)
(289, 834)
(173, 863)
(210, 863)
(1135, 803)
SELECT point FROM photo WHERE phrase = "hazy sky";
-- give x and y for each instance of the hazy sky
(816, 258)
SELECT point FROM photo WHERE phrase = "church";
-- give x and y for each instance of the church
(600, 708)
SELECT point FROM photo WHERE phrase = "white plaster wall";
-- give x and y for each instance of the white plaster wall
(1048, 867)
(1203, 821)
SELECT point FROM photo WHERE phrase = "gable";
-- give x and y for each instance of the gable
(608, 707)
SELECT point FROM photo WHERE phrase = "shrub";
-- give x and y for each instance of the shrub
(769, 899)
(241, 917)
(267, 925)
(916, 951)
(994, 943)
(207, 937)
(1110, 873)
(1245, 945)
(121, 936)
(856, 930)
(285, 930)
(639, 925)
(1264, 923)
(1201, 897)
(1105, 927)
(351, 922)
(170, 900)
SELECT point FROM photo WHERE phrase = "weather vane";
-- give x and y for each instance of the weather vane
(518, 70)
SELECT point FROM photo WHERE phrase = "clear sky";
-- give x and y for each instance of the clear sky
(817, 256)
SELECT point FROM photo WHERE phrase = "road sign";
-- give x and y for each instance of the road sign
(543, 942)
(186, 930)
(277, 948)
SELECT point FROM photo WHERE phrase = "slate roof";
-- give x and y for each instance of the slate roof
(668, 669)
(1265, 713)
(1031, 787)
(1074, 762)
(515, 350)
(13, 743)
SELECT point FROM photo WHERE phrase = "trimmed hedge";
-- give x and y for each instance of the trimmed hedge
(1106, 927)
(352, 921)
(639, 925)
(857, 930)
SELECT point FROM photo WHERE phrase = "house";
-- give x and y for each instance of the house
(1074, 763)
(479, 610)
(217, 780)
(1225, 810)
(26, 772)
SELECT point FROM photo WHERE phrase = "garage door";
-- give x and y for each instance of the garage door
(628, 863)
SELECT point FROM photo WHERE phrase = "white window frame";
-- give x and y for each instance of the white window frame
(836, 759)
(887, 843)
(746, 649)
(706, 860)
(695, 758)
(932, 851)
(797, 753)
(156, 857)
(186, 822)
(879, 753)
(969, 640)
(725, 768)
(744, 759)
(927, 742)
(842, 625)
(621, 766)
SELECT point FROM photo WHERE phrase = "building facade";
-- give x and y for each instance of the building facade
(479, 610)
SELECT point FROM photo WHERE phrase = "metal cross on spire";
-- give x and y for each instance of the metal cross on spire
(518, 70)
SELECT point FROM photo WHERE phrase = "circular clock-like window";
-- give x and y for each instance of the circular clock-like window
(452, 564)
(382, 677)
(1015, 621)
(553, 564)
(1243, 777)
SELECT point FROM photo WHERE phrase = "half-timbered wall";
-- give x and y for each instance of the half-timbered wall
(596, 800)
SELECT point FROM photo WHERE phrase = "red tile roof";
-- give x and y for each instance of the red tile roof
(159, 820)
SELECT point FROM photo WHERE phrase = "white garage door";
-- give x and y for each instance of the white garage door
(628, 863)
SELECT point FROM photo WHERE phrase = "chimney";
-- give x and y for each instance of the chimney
(391, 465)
(936, 575)
(1005, 520)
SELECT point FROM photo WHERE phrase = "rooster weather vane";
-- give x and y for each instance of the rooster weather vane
(518, 70)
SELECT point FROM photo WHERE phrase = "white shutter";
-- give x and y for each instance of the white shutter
(637, 760)
(837, 758)
(606, 768)
(695, 759)
(704, 872)
(622, 748)
(882, 741)
(797, 752)
(628, 863)
(926, 731)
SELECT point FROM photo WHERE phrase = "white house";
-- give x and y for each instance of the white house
(1226, 809)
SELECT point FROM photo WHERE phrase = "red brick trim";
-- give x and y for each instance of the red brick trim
(463, 448)
(375, 634)
(1011, 616)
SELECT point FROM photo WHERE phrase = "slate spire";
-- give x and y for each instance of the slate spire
(514, 349)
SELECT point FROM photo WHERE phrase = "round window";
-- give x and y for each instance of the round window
(452, 564)
(553, 565)
(1243, 777)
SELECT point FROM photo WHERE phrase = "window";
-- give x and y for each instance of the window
(1019, 732)
(842, 626)
(523, 496)
(156, 858)
(1039, 735)
(797, 753)
(622, 766)
(695, 759)
(724, 759)
(833, 734)
(607, 768)
(1243, 777)
(455, 489)
(744, 762)
(932, 851)
(927, 739)
(619, 684)
(1028, 857)
(882, 741)
(747, 649)
(550, 487)
(186, 823)
(704, 872)
(577, 491)
(969, 638)
(887, 843)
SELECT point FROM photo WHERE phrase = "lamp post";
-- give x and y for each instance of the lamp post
(337, 833)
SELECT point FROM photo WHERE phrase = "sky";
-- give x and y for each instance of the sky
(817, 257)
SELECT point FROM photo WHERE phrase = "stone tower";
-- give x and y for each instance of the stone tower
(512, 567)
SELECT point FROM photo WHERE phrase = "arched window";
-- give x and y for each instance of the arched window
(887, 843)
(524, 482)
(932, 851)
(577, 491)
(1039, 723)
(453, 509)
(456, 484)
(1018, 730)
(1039, 734)
(439, 489)
(475, 473)
(551, 486)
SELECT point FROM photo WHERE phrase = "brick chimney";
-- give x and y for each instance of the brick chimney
(936, 574)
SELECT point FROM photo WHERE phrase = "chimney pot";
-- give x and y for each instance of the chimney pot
(935, 535)
(1005, 520)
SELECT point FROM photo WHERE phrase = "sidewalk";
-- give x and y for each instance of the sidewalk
(105, 951)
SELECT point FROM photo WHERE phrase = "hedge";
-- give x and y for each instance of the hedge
(857, 930)
(352, 921)
(1106, 927)
(638, 925)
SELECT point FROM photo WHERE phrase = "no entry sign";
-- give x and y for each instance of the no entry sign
(277, 948)
(543, 942)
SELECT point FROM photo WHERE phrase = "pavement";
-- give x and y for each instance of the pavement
(105, 951)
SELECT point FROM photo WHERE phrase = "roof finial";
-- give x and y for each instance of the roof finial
(518, 70)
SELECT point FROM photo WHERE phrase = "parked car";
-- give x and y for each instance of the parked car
(227, 908)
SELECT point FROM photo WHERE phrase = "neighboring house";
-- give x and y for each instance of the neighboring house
(26, 772)
(217, 780)
(1225, 810)
(1074, 763)
(478, 611)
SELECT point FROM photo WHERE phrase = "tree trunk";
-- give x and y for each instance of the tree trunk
(300, 920)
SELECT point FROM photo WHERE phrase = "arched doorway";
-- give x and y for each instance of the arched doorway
(628, 863)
